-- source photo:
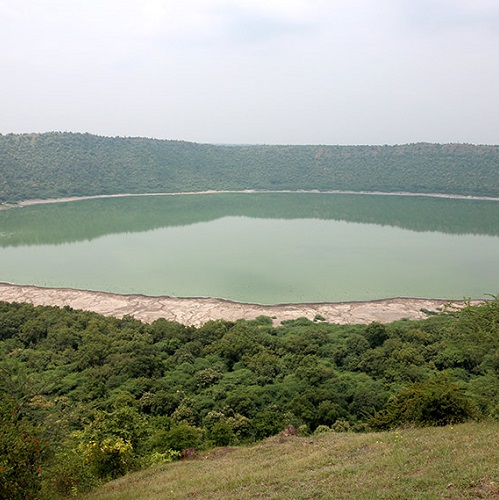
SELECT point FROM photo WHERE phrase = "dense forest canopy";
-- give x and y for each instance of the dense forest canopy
(85, 398)
(71, 164)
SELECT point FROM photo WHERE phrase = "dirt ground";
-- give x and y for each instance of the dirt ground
(197, 311)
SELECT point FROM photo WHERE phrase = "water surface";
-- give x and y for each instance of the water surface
(264, 248)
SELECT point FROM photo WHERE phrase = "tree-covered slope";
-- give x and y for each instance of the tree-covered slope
(68, 164)
(85, 398)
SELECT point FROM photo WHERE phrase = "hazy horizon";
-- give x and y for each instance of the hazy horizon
(230, 144)
(271, 72)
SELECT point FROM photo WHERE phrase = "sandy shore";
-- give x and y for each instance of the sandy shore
(197, 311)
(26, 203)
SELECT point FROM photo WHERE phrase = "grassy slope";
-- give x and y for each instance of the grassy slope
(447, 462)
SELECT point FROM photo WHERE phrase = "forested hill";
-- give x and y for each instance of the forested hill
(69, 164)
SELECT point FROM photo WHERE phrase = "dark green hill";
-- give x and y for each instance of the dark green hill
(67, 164)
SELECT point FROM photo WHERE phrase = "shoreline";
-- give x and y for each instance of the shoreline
(41, 201)
(196, 311)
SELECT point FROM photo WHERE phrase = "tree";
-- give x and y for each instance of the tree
(376, 334)
(438, 401)
(22, 454)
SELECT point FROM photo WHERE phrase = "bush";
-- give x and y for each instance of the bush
(303, 430)
(376, 334)
(182, 436)
(21, 457)
(438, 401)
(110, 458)
(341, 426)
(160, 458)
(268, 423)
(322, 429)
(67, 475)
(221, 434)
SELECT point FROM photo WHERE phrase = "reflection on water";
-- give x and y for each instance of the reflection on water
(86, 220)
(266, 248)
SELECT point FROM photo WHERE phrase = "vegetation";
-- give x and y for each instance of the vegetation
(66, 164)
(85, 398)
(450, 463)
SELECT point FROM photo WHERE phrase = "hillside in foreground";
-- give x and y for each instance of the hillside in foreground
(451, 462)
(53, 165)
(86, 398)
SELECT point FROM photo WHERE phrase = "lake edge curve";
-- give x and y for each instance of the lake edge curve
(42, 201)
(195, 311)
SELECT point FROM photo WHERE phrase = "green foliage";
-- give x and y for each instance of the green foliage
(22, 454)
(67, 164)
(321, 429)
(341, 426)
(268, 422)
(68, 474)
(438, 401)
(180, 437)
(156, 458)
(111, 395)
(109, 458)
(221, 434)
(376, 334)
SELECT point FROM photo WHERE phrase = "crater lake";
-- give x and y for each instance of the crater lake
(266, 248)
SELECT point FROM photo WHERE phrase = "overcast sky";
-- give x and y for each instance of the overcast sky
(253, 71)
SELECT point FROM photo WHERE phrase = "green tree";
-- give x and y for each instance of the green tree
(268, 423)
(376, 334)
(438, 401)
(23, 453)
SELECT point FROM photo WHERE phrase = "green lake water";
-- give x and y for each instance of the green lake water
(262, 248)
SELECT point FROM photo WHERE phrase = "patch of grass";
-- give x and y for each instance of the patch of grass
(452, 462)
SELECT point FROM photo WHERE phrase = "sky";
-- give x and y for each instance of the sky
(253, 71)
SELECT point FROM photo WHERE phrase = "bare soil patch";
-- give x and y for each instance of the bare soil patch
(197, 311)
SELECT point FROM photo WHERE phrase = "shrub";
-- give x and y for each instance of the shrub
(340, 426)
(21, 458)
(322, 429)
(438, 401)
(109, 458)
(160, 458)
(303, 430)
(68, 474)
(182, 436)
(268, 423)
(376, 334)
(221, 434)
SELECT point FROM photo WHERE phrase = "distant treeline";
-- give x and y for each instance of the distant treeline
(67, 164)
